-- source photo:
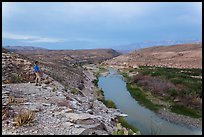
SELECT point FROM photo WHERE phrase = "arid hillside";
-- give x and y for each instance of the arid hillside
(51, 109)
(70, 56)
(17, 68)
(179, 56)
(64, 65)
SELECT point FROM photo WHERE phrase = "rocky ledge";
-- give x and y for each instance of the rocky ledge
(52, 108)
(57, 111)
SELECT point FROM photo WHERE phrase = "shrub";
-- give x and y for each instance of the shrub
(123, 131)
(95, 81)
(5, 113)
(11, 100)
(25, 117)
(74, 91)
(156, 85)
(138, 77)
(15, 79)
(125, 124)
(173, 92)
(138, 93)
(109, 103)
(173, 81)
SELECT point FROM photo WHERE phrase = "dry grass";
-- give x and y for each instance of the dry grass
(25, 117)
(11, 100)
(5, 113)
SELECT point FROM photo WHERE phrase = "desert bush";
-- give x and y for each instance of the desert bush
(15, 79)
(74, 91)
(156, 85)
(177, 77)
(25, 117)
(11, 100)
(138, 77)
(5, 113)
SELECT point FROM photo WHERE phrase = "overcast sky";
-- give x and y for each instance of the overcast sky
(74, 25)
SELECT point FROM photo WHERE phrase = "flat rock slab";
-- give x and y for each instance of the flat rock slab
(83, 116)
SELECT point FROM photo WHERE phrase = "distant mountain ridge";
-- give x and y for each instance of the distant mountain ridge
(140, 45)
(23, 48)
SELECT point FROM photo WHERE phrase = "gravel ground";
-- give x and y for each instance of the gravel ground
(180, 119)
(57, 112)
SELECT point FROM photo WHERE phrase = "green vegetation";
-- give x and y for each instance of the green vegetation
(74, 91)
(167, 84)
(95, 81)
(177, 76)
(109, 103)
(173, 92)
(125, 75)
(185, 111)
(16, 79)
(123, 131)
(138, 93)
(66, 86)
(131, 130)
(102, 69)
(125, 124)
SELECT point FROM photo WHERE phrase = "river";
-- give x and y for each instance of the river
(146, 121)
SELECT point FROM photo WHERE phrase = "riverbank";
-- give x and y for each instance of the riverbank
(159, 105)
(146, 121)
(180, 119)
(102, 71)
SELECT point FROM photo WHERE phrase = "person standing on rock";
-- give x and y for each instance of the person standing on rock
(37, 74)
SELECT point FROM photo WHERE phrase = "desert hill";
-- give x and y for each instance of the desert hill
(51, 109)
(66, 56)
(64, 65)
(179, 56)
